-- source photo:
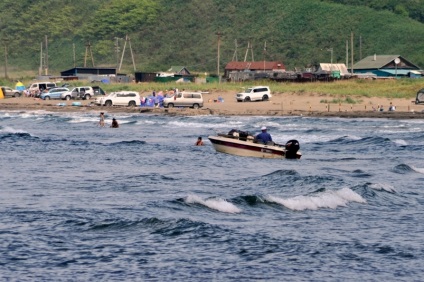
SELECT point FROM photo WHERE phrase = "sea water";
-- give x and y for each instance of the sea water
(79, 202)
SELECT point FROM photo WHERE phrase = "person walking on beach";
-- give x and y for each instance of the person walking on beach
(102, 120)
(114, 123)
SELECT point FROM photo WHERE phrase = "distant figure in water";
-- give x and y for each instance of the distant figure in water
(114, 123)
(199, 141)
(102, 120)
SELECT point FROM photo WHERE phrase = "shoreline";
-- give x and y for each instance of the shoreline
(283, 104)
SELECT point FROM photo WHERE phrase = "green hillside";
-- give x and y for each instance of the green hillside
(184, 32)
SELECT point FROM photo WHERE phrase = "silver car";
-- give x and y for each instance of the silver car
(184, 99)
(9, 92)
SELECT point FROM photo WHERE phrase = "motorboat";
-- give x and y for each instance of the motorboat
(242, 143)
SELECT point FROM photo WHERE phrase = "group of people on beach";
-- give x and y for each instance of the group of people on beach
(156, 98)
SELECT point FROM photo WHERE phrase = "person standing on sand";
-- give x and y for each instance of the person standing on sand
(102, 120)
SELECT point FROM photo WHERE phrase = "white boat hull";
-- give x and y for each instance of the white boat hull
(247, 148)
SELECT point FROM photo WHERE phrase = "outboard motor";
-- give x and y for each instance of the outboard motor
(292, 146)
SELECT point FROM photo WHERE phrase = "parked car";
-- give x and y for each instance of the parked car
(9, 92)
(184, 99)
(37, 88)
(54, 93)
(257, 93)
(420, 97)
(121, 98)
(80, 92)
(98, 91)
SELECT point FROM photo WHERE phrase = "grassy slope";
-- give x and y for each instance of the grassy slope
(296, 32)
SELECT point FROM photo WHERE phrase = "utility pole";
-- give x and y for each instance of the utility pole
(235, 52)
(123, 52)
(73, 51)
(331, 61)
(6, 41)
(351, 52)
(347, 54)
(219, 44)
(264, 54)
(249, 47)
(40, 69)
(360, 47)
(117, 50)
(46, 58)
(88, 49)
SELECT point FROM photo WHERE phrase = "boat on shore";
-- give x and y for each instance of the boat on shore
(241, 143)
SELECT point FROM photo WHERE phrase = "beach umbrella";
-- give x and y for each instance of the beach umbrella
(20, 86)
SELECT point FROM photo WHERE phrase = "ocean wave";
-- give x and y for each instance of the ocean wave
(418, 169)
(403, 169)
(382, 187)
(129, 142)
(325, 199)
(213, 203)
(7, 132)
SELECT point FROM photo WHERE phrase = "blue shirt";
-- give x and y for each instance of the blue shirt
(264, 137)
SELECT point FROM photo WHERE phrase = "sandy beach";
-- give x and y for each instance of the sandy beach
(281, 104)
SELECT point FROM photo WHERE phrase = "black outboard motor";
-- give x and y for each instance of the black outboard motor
(292, 146)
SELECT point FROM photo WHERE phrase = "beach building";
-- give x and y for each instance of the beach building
(336, 70)
(241, 71)
(387, 66)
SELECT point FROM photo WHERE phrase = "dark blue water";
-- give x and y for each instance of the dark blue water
(141, 203)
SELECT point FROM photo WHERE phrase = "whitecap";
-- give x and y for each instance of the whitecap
(400, 142)
(327, 199)
(418, 169)
(8, 129)
(383, 186)
(214, 204)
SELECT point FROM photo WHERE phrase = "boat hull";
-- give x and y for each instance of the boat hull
(246, 148)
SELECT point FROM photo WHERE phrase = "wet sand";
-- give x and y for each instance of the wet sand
(281, 104)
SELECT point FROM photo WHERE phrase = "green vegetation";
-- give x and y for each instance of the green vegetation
(165, 33)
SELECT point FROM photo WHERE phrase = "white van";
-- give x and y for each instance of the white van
(184, 99)
(257, 93)
(40, 86)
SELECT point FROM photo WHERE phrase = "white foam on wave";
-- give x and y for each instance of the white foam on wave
(83, 119)
(400, 142)
(383, 186)
(418, 169)
(327, 199)
(7, 129)
(214, 204)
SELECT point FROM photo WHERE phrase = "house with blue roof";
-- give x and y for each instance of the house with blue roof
(387, 66)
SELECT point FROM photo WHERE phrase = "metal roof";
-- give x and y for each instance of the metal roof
(334, 67)
(380, 61)
(261, 65)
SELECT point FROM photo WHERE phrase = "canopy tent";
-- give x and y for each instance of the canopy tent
(20, 86)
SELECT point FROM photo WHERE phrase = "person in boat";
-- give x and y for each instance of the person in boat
(264, 137)
(115, 123)
(199, 141)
